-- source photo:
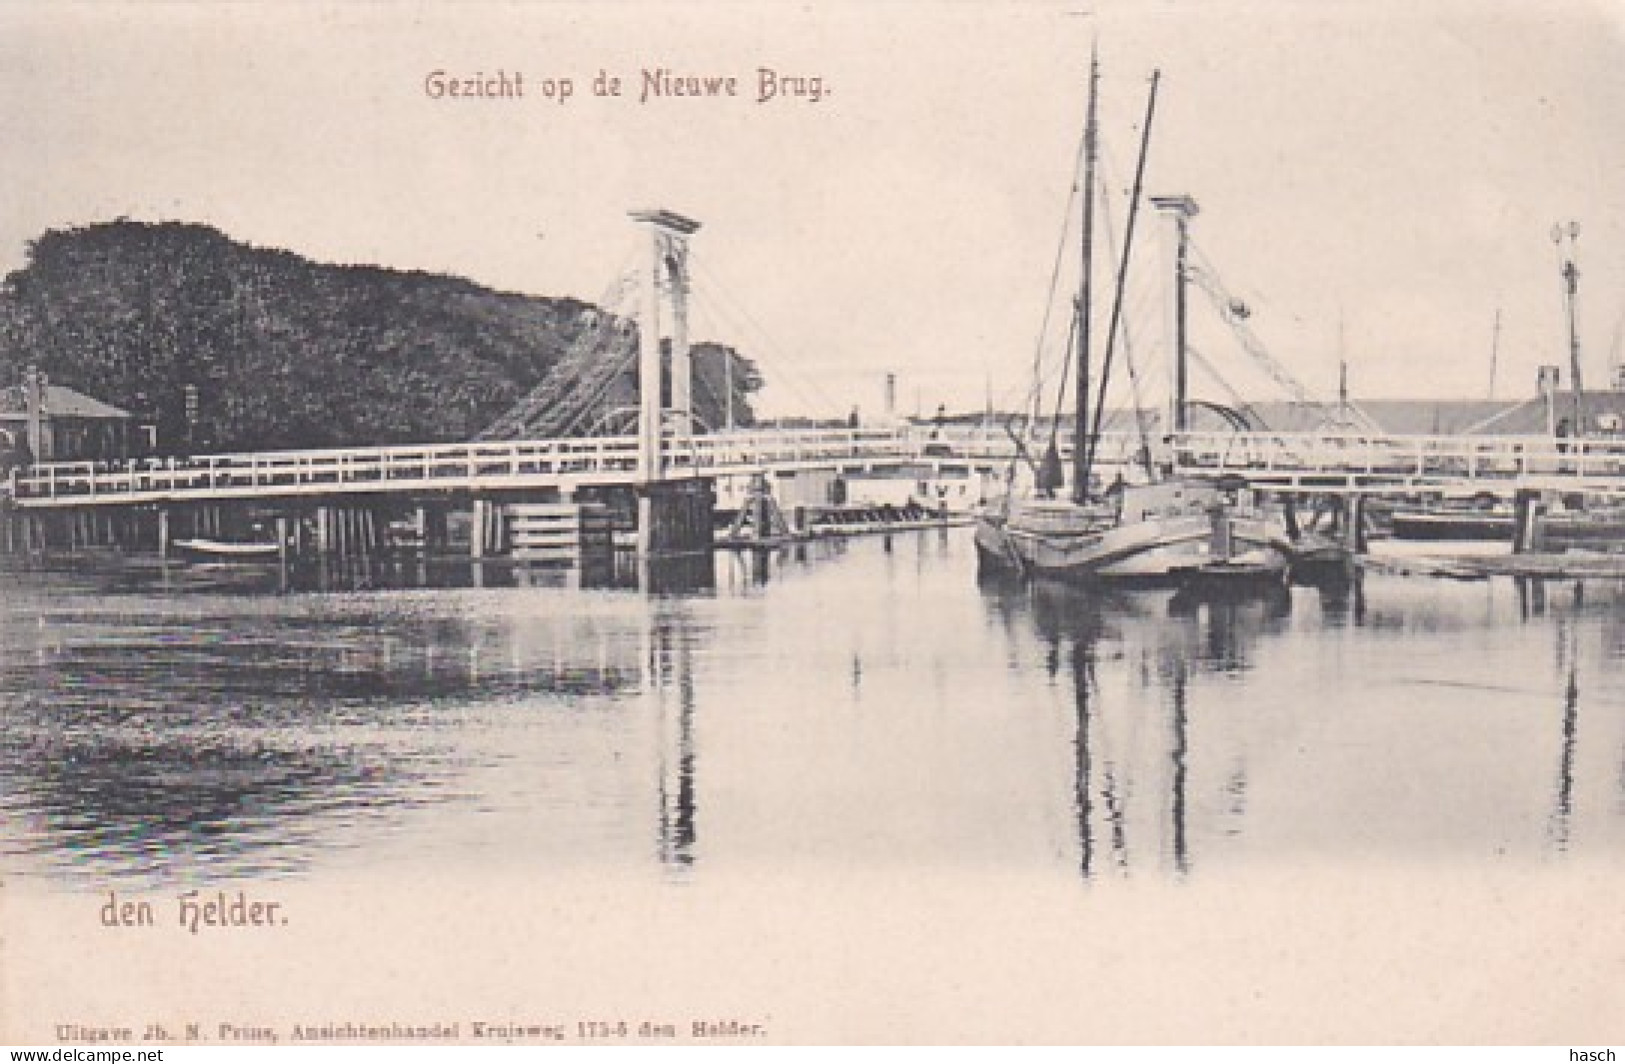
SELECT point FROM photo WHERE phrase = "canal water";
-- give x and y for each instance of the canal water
(836, 714)
(839, 704)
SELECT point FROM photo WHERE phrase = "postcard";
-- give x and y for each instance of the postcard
(800, 523)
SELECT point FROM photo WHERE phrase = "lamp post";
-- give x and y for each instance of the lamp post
(1571, 283)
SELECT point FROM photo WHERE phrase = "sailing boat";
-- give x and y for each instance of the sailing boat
(1166, 531)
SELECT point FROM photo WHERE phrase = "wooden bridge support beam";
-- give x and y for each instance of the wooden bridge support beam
(14, 530)
(1354, 524)
(1221, 546)
(434, 528)
(429, 527)
(324, 531)
(1528, 521)
(487, 533)
(575, 535)
(676, 516)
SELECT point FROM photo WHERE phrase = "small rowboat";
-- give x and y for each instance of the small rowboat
(222, 550)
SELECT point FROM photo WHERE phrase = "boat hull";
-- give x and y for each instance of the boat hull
(1163, 550)
(223, 551)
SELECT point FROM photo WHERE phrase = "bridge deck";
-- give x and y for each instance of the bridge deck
(439, 468)
(1298, 462)
(1367, 463)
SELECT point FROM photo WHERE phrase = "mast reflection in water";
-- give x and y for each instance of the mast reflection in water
(832, 707)
(1132, 768)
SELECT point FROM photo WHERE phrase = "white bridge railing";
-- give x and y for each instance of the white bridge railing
(1423, 461)
(450, 467)
(1295, 459)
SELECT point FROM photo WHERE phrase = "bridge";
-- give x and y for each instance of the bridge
(1309, 463)
(663, 479)
(1359, 463)
(562, 465)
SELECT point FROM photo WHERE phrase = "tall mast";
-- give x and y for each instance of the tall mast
(1342, 372)
(1122, 269)
(1495, 349)
(1080, 448)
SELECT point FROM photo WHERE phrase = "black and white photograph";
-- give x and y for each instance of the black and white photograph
(1092, 522)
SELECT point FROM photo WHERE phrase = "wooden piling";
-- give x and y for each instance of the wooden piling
(1220, 544)
(1526, 521)
(1355, 532)
(479, 529)
(676, 517)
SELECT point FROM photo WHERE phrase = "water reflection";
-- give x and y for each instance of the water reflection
(1568, 662)
(828, 703)
(1132, 777)
(1083, 681)
(671, 667)
(147, 738)
(1180, 746)
(681, 574)
(1343, 601)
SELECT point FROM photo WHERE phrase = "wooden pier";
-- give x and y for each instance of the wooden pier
(1569, 565)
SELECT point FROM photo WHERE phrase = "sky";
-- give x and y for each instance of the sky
(1377, 179)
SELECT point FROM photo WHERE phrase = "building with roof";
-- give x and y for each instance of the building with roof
(72, 426)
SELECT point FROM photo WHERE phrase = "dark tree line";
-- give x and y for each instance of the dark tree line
(287, 353)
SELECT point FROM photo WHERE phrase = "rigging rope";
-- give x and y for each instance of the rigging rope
(626, 362)
(781, 363)
(1122, 270)
(1066, 367)
(1232, 312)
(1236, 401)
(522, 417)
(1036, 395)
(1135, 398)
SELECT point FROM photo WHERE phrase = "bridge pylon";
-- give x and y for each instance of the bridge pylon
(672, 516)
(666, 282)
